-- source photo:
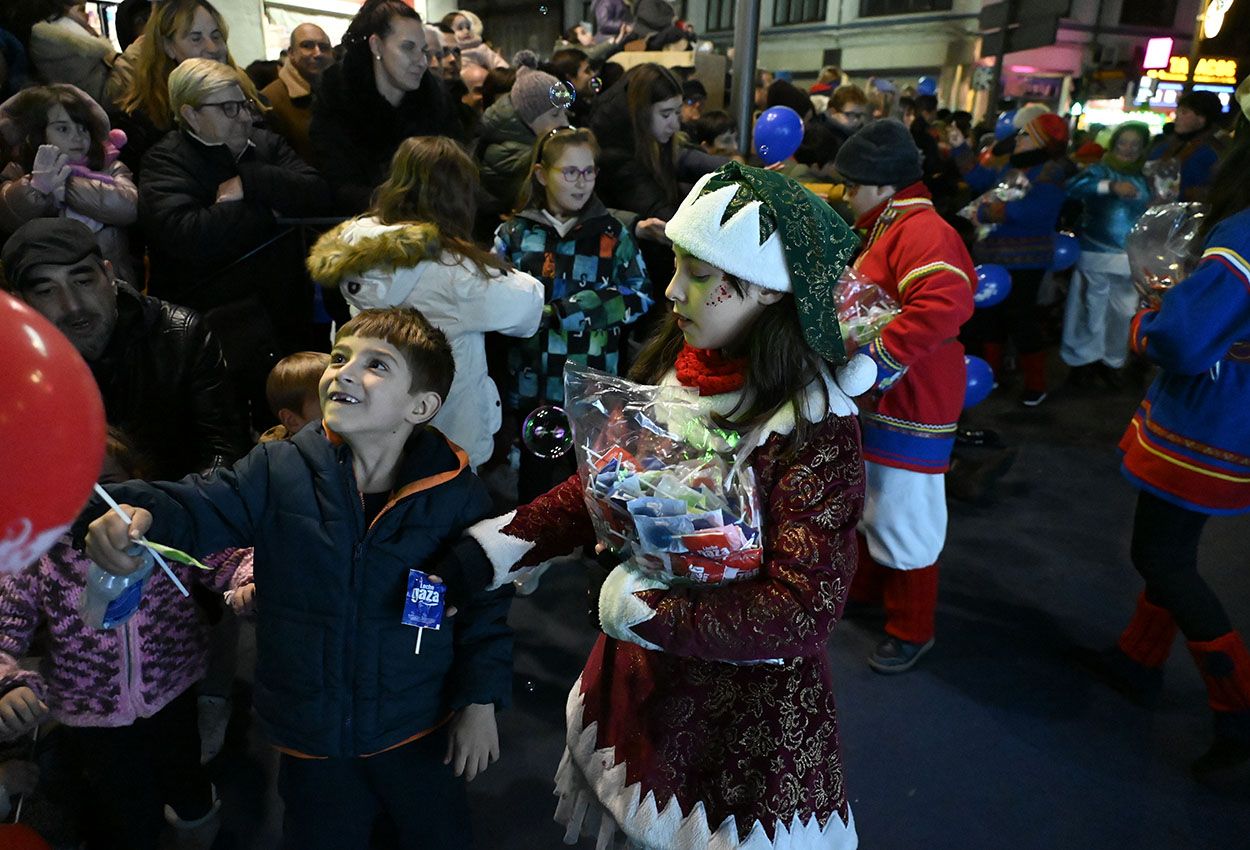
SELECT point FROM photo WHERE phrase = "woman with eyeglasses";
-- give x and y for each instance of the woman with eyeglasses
(595, 284)
(210, 195)
(176, 31)
(377, 96)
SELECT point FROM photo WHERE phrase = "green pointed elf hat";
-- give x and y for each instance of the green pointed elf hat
(768, 230)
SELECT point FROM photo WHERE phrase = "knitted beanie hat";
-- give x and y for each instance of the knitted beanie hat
(531, 93)
(1049, 131)
(1205, 103)
(766, 229)
(1025, 114)
(882, 153)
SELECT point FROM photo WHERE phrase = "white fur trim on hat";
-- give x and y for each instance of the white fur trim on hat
(734, 246)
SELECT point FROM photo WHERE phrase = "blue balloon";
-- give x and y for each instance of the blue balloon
(993, 285)
(980, 381)
(926, 85)
(1006, 125)
(1067, 252)
(778, 134)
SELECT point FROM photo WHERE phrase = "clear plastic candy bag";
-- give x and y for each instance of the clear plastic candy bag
(1163, 247)
(1014, 186)
(863, 309)
(664, 485)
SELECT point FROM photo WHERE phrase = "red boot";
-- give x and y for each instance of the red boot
(1034, 368)
(869, 576)
(910, 604)
(1148, 638)
(1225, 667)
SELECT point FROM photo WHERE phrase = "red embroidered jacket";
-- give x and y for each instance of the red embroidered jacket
(919, 260)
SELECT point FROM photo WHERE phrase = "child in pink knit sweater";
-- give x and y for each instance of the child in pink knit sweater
(125, 696)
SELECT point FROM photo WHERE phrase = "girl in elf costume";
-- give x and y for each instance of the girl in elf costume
(704, 717)
(1187, 450)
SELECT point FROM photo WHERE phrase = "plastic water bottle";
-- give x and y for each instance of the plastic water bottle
(108, 600)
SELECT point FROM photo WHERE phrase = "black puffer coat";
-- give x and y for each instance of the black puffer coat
(355, 131)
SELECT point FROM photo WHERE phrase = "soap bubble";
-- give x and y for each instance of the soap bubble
(763, 151)
(546, 434)
(562, 95)
(542, 10)
(596, 85)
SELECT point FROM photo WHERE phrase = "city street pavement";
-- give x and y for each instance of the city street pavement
(995, 740)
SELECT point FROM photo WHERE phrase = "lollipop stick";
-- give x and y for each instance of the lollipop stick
(117, 509)
(420, 632)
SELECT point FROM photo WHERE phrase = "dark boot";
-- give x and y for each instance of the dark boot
(1225, 667)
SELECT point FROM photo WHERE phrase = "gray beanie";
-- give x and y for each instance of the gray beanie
(882, 153)
(531, 93)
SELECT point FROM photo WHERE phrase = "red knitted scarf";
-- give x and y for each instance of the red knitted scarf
(710, 371)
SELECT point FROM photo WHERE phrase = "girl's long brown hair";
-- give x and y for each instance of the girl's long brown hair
(30, 113)
(433, 180)
(647, 85)
(780, 365)
(149, 90)
(547, 152)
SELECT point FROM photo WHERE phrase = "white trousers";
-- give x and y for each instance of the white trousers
(1100, 307)
(904, 516)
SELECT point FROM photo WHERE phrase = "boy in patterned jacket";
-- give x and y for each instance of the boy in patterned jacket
(909, 422)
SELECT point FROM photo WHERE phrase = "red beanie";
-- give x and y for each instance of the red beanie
(1049, 131)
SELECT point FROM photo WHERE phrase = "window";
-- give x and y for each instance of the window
(797, 11)
(1160, 13)
(720, 15)
(878, 8)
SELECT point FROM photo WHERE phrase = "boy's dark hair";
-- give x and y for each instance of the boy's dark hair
(926, 103)
(293, 379)
(566, 61)
(712, 125)
(423, 346)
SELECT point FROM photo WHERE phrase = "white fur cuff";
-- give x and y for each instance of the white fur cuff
(620, 609)
(502, 549)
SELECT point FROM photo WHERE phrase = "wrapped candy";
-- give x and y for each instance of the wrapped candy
(664, 485)
(863, 309)
(1014, 186)
(1163, 247)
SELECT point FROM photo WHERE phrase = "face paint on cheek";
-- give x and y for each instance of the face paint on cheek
(721, 295)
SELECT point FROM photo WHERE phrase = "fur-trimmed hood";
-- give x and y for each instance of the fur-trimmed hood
(362, 245)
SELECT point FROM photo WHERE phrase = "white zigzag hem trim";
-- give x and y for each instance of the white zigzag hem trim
(591, 787)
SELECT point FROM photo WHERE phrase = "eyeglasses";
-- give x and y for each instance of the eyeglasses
(854, 115)
(230, 108)
(571, 174)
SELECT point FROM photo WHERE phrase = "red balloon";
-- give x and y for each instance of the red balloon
(52, 434)
(19, 836)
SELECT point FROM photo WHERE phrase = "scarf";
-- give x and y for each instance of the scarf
(709, 371)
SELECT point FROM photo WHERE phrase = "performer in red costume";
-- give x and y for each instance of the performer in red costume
(909, 424)
(704, 717)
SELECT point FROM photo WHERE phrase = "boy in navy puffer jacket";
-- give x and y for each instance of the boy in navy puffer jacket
(339, 515)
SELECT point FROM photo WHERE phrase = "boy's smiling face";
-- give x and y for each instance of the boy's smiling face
(367, 389)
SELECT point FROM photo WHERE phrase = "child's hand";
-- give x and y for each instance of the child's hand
(19, 777)
(243, 600)
(21, 711)
(50, 169)
(652, 229)
(474, 741)
(109, 537)
(450, 610)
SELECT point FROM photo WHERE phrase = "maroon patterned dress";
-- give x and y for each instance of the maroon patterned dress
(704, 717)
